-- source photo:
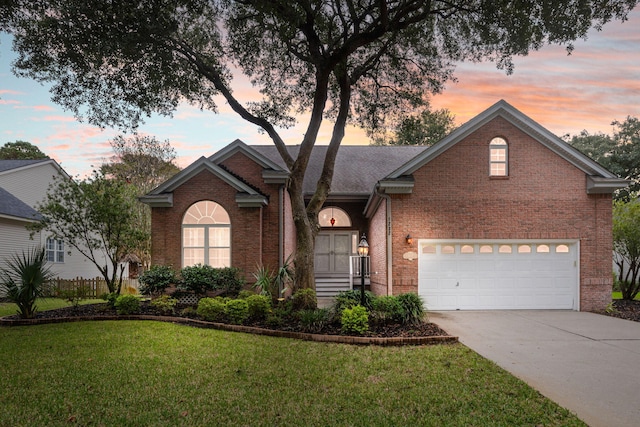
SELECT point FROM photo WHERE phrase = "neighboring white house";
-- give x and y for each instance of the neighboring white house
(24, 184)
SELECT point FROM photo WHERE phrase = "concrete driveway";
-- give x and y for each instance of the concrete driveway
(587, 363)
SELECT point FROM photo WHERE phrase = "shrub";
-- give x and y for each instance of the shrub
(127, 304)
(165, 304)
(110, 298)
(259, 306)
(351, 298)
(74, 296)
(413, 309)
(211, 309)
(244, 294)
(355, 320)
(264, 281)
(229, 281)
(198, 279)
(305, 299)
(314, 321)
(24, 279)
(237, 311)
(274, 321)
(189, 312)
(156, 280)
(201, 279)
(387, 309)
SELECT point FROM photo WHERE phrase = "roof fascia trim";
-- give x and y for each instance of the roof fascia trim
(194, 169)
(251, 200)
(239, 146)
(164, 200)
(599, 185)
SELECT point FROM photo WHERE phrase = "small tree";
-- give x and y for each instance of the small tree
(94, 217)
(24, 280)
(626, 244)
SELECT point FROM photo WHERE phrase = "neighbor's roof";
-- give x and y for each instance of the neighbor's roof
(357, 169)
(6, 165)
(14, 208)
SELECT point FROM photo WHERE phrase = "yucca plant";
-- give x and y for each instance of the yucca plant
(24, 279)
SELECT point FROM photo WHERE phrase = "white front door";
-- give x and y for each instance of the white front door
(506, 274)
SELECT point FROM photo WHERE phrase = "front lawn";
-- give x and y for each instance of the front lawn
(144, 373)
(618, 295)
(7, 308)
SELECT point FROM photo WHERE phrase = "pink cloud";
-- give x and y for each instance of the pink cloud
(67, 119)
(9, 102)
(10, 92)
(43, 108)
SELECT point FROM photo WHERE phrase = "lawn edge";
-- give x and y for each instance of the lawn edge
(379, 341)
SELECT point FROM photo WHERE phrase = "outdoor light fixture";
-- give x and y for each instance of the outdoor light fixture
(409, 239)
(363, 251)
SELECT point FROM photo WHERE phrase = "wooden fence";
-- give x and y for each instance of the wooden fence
(92, 288)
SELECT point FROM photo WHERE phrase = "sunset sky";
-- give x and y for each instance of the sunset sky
(598, 83)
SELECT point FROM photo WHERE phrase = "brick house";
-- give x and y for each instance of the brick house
(500, 214)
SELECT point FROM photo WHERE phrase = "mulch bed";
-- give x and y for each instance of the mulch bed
(625, 309)
(382, 335)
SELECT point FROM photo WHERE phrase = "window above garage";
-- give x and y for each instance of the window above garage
(498, 157)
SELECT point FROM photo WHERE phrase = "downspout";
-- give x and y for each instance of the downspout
(387, 199)
(281, 226)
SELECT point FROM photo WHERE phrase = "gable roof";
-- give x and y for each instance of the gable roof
(357, 169)
(13, 208)
(521, 121)
(162, 196)
(8, 166)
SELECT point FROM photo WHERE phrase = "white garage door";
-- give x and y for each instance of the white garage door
(482, 275)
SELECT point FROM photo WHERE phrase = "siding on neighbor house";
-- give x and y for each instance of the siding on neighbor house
(544, 197)
(38, 176)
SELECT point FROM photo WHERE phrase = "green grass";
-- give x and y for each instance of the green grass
(43, 304)
(142, 373)
(618, 295)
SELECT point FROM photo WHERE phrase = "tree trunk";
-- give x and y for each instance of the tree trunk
(306, 230)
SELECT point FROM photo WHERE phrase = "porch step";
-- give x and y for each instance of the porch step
(328, 287)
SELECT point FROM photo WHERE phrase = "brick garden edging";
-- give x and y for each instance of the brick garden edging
(391, 341)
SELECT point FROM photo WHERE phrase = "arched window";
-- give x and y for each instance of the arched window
(498, 157)
(206, 235)
(333, 217)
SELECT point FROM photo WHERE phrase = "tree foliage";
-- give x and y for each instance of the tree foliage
(620, 152)
(142, 163)
(114, 62)
(626, 244)
(426, 128)
(21, 150)
(95, 217)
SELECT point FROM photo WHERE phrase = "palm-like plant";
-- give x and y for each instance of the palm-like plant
(24, 278)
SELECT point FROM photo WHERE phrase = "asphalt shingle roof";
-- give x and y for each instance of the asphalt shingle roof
(6, 165)
(10, 205)
(357, 169)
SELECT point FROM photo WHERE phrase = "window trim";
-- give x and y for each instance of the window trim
(57, 251)
(499, 143)
(205, 227)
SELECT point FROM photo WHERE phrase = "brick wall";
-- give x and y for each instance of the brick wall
(378, 250)
(544, 197)
(254, 231)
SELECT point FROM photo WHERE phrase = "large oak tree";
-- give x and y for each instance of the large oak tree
(113, 62)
